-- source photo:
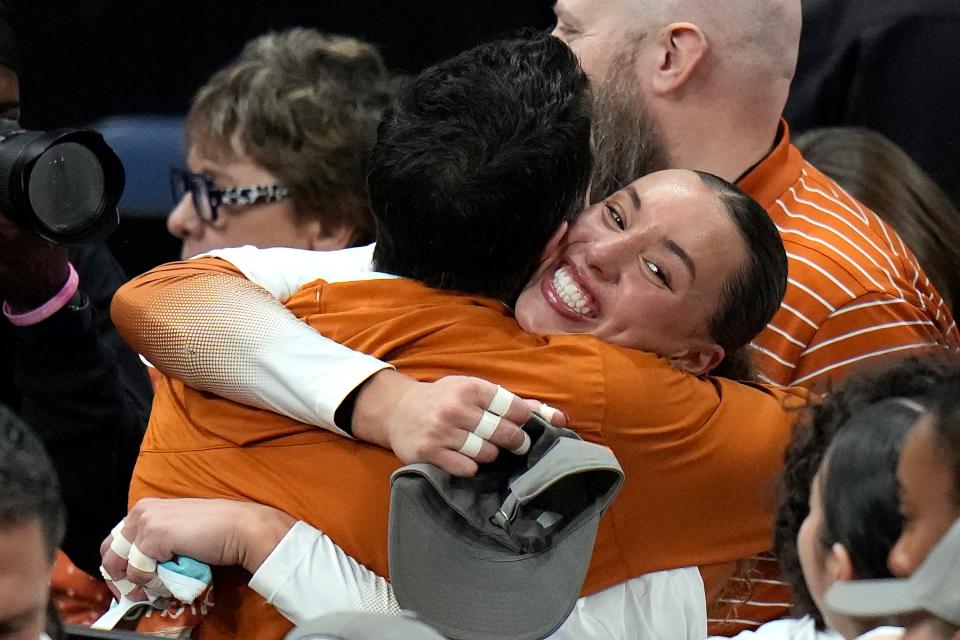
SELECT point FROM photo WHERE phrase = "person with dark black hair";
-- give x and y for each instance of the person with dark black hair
(840, 487)
(493, 197)
(32, 524)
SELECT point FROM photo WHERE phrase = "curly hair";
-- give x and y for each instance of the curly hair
(305, 106)
(851, 402)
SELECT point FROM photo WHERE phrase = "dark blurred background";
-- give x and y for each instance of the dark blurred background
(86, 60)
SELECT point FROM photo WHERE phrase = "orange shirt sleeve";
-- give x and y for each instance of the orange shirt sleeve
(137, 300)
(203, 322)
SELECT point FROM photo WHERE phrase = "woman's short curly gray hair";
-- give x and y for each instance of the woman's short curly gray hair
(305, 106)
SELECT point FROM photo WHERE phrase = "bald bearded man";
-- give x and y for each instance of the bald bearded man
(701, 84)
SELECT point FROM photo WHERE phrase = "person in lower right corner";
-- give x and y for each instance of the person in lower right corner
(839, 516)
(926, 557)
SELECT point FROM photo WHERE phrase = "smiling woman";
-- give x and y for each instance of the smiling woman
(668, 265)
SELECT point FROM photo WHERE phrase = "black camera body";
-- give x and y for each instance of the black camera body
(63, 184)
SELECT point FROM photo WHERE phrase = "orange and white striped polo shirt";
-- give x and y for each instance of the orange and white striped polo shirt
(855, 294)
(855, 291)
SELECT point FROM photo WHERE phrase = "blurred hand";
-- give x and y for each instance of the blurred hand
(431, 421)
(217, 532)
(32, 270)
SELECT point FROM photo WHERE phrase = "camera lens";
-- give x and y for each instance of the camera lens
(63, 185)
(66, 188)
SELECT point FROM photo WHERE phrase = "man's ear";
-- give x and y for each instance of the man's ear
(683, 46)
(839, 565)
(556, 241)
(325, 237)
(698, 360)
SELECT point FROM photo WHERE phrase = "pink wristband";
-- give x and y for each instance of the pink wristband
(48, 308)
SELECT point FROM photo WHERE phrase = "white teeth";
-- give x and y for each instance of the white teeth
(570, 293)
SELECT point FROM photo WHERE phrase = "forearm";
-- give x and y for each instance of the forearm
(88, 396)
(203, 322)
(307, 575)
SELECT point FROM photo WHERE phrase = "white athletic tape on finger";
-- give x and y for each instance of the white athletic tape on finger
(546, 412)
(119, 545)
(487, 425)
(524, 446)
(472, 446)
(105, 574)
(501, 402)
(124, 586)
(140, 560)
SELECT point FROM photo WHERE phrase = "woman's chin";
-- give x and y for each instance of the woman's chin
(526, 313)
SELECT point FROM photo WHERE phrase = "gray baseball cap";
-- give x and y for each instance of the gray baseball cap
(359, 625)
(502, 555)
(934, 587)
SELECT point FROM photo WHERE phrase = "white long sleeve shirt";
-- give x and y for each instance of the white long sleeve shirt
(307, 575)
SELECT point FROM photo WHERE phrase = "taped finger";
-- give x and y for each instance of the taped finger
(547, 412)
(471, 447)
(501, 402)
(124, 586)
(119, 545)
(524, 446)
(141, 561)
(487, 425)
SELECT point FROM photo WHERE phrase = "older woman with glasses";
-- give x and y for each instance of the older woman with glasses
(277, 144)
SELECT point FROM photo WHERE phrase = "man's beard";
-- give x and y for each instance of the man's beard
(626, 142)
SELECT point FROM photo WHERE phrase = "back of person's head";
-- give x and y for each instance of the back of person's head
(878, 173)
(860, 505)
(305, 106)
(752, 296)
(861, 450)
(482, 158)
(29, 489)
(764, 35)
(697, 84)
